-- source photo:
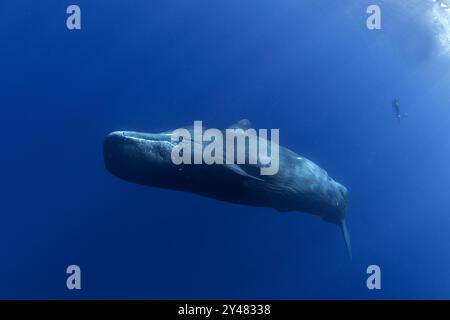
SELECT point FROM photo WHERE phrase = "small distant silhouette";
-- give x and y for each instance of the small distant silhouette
(398, 113)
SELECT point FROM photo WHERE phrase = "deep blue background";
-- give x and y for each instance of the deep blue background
(310, 68)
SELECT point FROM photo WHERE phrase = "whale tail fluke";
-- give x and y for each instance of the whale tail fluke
(346, 237)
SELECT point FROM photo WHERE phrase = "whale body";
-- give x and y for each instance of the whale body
(299, 185)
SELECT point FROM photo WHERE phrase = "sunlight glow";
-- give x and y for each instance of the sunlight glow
(440, 15)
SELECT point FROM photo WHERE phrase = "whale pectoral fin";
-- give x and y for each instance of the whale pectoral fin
(239, 171)
(346, 237)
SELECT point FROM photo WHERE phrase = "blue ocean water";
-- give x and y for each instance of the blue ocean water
(310, 68)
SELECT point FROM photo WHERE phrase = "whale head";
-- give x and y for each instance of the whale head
(140, 157)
